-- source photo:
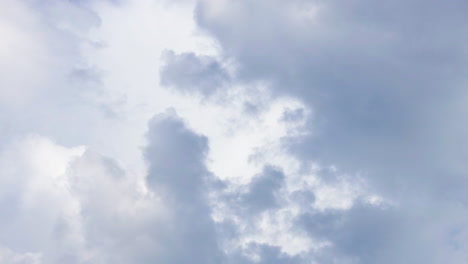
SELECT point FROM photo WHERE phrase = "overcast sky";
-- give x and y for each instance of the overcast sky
(233, 131)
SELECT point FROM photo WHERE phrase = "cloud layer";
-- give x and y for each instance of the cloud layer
(220, 131)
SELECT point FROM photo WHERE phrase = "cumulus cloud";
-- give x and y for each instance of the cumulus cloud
(386, 85)
(177, 172)
(9, 256)
(188, 72)
(263, 190)
(298, 131)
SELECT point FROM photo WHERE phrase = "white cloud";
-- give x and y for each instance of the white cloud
(86, 73)
(87, 175)
(11, 257)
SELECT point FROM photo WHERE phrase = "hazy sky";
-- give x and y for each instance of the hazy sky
(233, 131)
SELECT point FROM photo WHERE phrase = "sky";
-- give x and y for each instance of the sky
(233, 131)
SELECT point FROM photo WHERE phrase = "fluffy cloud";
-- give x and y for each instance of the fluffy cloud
(386, 85)
(177, 172)
(297, 132)
(202, 74)
(8, 256)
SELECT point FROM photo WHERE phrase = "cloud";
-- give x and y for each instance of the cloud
(386, 234)
(177, 172)
(381, 89)
(34, 195)
(9, 256)
(386, 85)
(263, 254)
(263, 190)
(301, 132)
(188, 72)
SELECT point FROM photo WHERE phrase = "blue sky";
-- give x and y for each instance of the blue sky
(233, 132)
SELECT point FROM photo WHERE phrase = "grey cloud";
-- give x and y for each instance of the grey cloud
(189, 73)
(261, 194)
(250, 108)
(176, 158)
(263, 190)
(94, 211)
(265, 255)
(383, 234)
(102, 217)
(9, 256)
(304, 198)
(383, 83)
(178, 229)
(176, 170)
(293, 115)
(386, 82)
(248, 203)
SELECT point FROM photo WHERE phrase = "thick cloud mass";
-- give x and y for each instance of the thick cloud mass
(299, 132)
(188, 72)
(387, 83)
(386, 80)
(177, 172)
(263, 190)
